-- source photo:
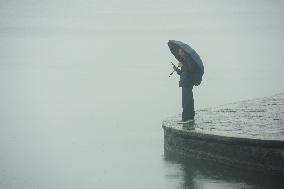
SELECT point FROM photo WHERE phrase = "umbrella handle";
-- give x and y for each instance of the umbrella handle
(172, 71)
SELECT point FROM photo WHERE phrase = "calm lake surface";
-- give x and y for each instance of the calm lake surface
(84, 88)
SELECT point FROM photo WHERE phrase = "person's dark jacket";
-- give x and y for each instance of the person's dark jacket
(186, 75)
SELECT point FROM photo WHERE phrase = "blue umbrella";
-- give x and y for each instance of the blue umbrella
(191, 56)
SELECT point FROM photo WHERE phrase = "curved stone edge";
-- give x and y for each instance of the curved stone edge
(225, 139)
(237, 152)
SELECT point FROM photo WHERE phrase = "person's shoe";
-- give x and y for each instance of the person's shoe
(186, 121)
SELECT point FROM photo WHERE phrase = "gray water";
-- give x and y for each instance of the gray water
(84, 87)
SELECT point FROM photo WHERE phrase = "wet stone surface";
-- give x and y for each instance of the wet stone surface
(261, 118)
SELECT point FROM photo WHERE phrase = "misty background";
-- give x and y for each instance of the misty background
(84, 85)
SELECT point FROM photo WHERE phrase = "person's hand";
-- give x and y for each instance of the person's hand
(179, 64)
(174, 67)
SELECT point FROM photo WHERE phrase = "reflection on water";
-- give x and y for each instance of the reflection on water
(202, 174)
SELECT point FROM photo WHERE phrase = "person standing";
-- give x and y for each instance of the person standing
(186, 82)
(191, 70)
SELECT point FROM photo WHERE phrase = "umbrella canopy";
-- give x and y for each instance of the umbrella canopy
(191, 56)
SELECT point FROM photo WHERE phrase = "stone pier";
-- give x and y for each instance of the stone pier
(247, 134)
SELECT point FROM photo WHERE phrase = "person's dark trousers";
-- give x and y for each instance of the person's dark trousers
(187, 103)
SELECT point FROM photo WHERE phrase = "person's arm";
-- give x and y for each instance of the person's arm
(177, 70)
